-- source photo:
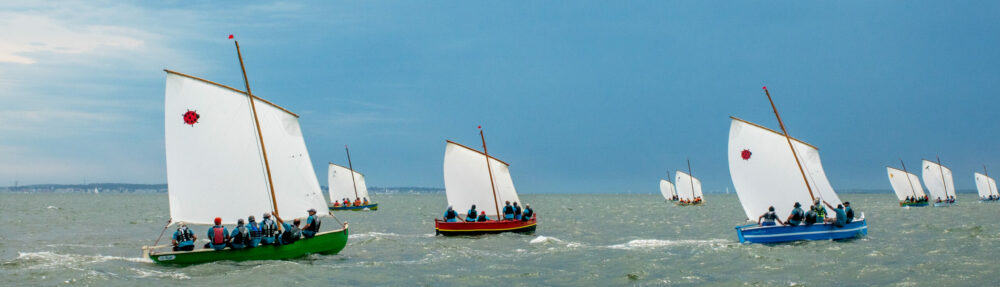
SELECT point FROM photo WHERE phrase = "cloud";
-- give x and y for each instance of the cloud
(28, 35)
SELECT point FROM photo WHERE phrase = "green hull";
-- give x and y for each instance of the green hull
(330, 242)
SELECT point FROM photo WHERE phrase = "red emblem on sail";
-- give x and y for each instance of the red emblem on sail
(745, 154)
(191, 117)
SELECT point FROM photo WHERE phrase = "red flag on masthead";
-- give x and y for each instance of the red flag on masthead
(230, 36)
(764, 87)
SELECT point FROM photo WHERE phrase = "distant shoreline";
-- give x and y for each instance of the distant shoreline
(162, 188)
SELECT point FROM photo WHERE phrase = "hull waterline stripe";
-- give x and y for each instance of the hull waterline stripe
(805, 233)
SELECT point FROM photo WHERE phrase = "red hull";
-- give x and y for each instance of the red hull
(472, 228)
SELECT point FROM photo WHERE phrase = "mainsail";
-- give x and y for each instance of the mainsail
(667, 189)
(938, 180)
(905, 184)
(215, 165)
(685, 190)
(342, 186)
(765, 174)
(467, 180)
(986, 185)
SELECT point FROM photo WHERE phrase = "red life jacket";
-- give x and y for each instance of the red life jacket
(218, 235)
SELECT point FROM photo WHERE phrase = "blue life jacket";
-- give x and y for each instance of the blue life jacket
(255, 231)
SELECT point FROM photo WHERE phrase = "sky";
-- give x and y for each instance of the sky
(578, 96)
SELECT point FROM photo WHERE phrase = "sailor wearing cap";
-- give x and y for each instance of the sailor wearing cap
(312, 225)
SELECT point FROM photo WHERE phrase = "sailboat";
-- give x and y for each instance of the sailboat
(907, 187)
(986, 186)
(688, 188)
(939, 183)
(231, 154)
(770, 168)
(474, 177)
(345, 182)
(667, 189)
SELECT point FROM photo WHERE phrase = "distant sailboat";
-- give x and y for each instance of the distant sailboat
(474, 177)
(939, 183)
(345, 182)
(770, 168)
(688, 188)
(986, 186)
(907, 187)
(232, 155)
(667, 189)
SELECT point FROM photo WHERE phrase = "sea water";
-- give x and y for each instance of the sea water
(582, 240)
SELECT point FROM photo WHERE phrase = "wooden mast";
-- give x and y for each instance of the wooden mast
(496, 203)
(253, 108)
(691, 178)
(789, 139)
(908, 179)
(351, 166)
(945, 184)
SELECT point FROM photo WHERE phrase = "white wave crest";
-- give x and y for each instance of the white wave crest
(656, 243)
(548, 239)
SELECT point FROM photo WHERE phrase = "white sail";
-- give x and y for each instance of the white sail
(903, 186)
(932, 175)
(765, 174)
(685, 190)
(667, 189)
(985, 185)
(342, 186)
(295, 184)
(215, 167)
(467, 180)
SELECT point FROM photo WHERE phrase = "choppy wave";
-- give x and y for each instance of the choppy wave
(552, 240)
(48, 260)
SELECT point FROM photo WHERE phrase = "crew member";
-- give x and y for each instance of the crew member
(508, 211)
(811, 217)
(795, 218)
(312, 224)
(268, 229)
(470, 216)
(517, 211)
(255, 232)
(769, 218)
(218, 235)
(849, 211)
(240, 236)
(528, 212)
(483, 217)
(820, 211)
(292, 232)
(841, 215)
(184, 238)
(450, 215)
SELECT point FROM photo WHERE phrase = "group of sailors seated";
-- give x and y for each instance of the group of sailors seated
(948, 199)
(914, 199)
(347, 203)
(990, 197)
(693, 201)
(248, 234)
(510, 212)
(843, 214)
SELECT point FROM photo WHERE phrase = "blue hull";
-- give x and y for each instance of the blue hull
(371, 206)
(942, 204)
(753, 233)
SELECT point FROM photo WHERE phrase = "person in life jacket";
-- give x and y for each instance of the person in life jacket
(218, 236)
(268, 230)
(364, 200)
(769, 218)
(255, 232)
(811, 217)
(240, 236)
(450, 215)
(312, 225)
(528, 212)
(357, 201)
(517, 211)
(849, 212)
(347, 202)
(841, 216)
(184, 238)
(336, 204)
(292, 233)
(482, 217)
(796, 217)
(470, 216)
(820, 211)
(508, 211)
